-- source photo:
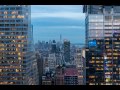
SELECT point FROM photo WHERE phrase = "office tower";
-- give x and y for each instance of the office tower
(17, 60)
(102, 39)
(67, 51)
(54, 49)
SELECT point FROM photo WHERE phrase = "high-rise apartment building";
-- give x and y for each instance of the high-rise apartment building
(17, 59)
(102, 39)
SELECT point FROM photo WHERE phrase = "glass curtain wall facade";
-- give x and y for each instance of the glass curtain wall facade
(102, 62)
(17, 60)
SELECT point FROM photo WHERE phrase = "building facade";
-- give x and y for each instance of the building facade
(79, 61)
(102, 39)
(59, 76)
(71, 76)
(17, 60)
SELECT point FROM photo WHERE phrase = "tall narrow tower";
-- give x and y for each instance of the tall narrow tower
(67, 51)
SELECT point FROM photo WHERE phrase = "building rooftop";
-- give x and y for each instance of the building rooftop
(71, 72)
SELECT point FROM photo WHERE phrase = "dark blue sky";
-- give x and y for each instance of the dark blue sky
(49, 21)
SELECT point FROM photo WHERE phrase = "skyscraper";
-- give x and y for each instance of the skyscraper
(102, 40)
(17, 59)
(67, 51)
(54, 49)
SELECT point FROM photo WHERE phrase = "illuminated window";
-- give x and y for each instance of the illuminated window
(16, 49)
(115, 57)
(91, 76)
(102, 83)
(17, 70)
(80, 76)
(1, 33)
(92, 84)
(1, 49)
(107, 80)
(18, 45)
(19, 37)
(0, 70)
(99, 68)
(115, 53)
(13, 40)
(13, 16)
(19, 54)
(20, 16)
(19, 58)
(97, 61)
(5, 12)
(14, 12)
(107, 73)
(109, 53)
(107, 46)
(11, 83)
(92, 61)
(1, 44)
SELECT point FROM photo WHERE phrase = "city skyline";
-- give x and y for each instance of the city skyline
(59, 45)
(51, 21)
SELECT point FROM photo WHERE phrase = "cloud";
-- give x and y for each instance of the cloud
(56, 8)
(60, 11)
(60, 27)
(52, 20)
(69, 15)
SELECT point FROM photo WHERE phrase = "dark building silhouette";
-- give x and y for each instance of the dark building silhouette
(66, 50)
(54, 48)
(39, 66)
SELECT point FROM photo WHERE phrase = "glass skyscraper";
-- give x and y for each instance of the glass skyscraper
(103, 44)
(17, 60)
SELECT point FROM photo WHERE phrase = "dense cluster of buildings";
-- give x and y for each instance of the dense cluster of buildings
(58, 66)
